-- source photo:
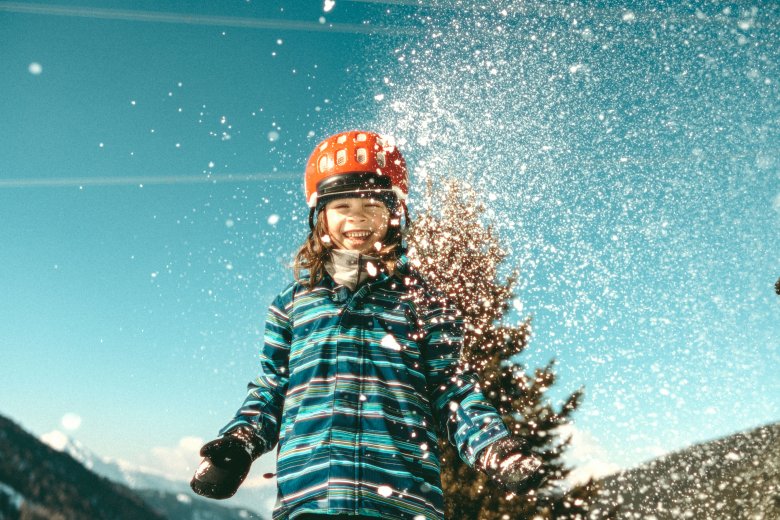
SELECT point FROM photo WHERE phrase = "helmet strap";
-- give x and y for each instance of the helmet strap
(311, 219)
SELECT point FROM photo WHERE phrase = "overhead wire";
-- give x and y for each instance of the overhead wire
(78, 182)
(207, 20)
(178, 18)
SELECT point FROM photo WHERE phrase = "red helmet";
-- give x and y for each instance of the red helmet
(355, 161)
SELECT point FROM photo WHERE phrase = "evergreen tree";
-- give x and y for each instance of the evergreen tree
(460, 257)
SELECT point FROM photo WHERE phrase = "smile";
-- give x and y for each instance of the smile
(357, 234)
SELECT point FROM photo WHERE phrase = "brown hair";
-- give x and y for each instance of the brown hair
(311, 256)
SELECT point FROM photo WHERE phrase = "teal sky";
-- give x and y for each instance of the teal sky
(151, 178)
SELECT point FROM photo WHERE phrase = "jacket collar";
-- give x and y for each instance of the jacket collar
(351, 268)
(402, 269)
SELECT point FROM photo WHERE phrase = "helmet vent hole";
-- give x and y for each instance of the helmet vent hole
(380, 159)
(323, 164)
(361, 138)
(341, 157)
(362, 155)
(342, 139)
(323, 146)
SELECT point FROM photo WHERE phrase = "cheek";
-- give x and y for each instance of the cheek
(332, 221)
(380, 224)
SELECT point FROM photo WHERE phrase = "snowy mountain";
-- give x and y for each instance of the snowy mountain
(40, 482)
(37, 482)
(149, 482)
(135, 477)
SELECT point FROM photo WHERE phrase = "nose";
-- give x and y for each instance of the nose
(357, 213)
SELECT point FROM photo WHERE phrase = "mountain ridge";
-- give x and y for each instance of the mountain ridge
(40, 482)
(736, 476)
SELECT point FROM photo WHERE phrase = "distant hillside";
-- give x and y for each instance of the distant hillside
(737, 477)
(174, 497)
(184, 507)
(41, 483)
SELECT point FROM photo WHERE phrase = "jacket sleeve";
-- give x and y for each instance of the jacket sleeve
(462, 411)
(261, 412)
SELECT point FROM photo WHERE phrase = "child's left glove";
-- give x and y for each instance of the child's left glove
(225, 465)
(507, 463)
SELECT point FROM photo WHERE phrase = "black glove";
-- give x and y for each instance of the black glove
(225, 465)
(508, 463)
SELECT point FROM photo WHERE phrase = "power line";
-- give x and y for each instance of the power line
(221, 21)
(409, 3)
(61, 182)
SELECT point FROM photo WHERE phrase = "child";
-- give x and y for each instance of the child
(359, 370)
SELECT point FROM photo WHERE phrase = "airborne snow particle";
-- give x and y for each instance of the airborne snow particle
(379, 97)
(329, 5)
(273, 219)
(35, 68)
(371, 268)
(71, 421)
(273, 135)
(628, 16)
(229, 223)
(385, 491)
(211, 164)
(390, 342)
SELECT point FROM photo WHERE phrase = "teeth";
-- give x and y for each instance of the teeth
(358, 234)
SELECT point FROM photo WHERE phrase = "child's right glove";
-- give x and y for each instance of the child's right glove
(507, 462)
(225, 465)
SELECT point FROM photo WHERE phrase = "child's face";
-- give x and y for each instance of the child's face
(356, 223)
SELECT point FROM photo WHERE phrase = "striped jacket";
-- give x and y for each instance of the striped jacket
(354, 388)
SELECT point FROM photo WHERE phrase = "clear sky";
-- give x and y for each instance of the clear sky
(151, 198)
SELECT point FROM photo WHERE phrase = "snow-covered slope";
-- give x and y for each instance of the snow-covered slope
(123, 472)
(256, 494)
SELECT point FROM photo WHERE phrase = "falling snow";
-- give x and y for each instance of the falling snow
(627, 159)
(389, 341)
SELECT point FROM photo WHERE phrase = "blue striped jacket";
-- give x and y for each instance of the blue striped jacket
(354, 388)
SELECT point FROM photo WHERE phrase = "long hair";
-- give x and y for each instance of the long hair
(314, 252)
